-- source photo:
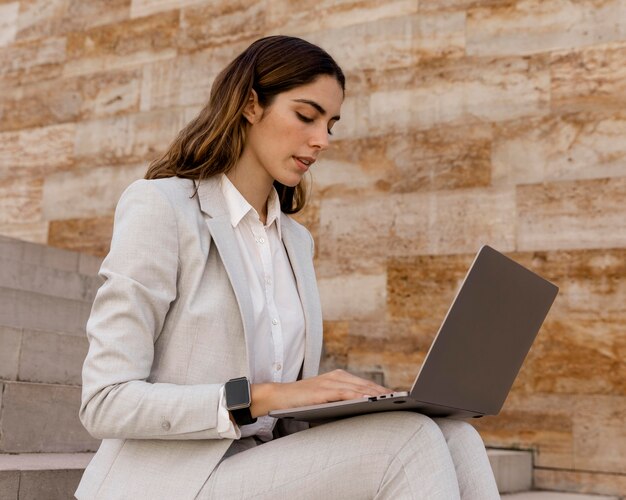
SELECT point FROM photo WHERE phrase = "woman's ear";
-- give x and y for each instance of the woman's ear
(252, 111)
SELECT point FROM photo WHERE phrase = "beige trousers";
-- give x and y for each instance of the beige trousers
(393, 455)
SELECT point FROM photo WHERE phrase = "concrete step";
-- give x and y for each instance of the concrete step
(37, 418)
(512, 469)
(41, 356)
(20, 275)
(50, 257)
(35, 311)
(554, 495)
(35, 476)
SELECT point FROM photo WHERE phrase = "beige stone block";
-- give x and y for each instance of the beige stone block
(421, 288)
(127, 139)
(89, 265)
(39, 104)
(579, 481)
(575, 357)
(40, 18)
(513, 470)
(81, 15)
(360, 167)
(185, 80)
(24, 309)
(90, 235)
(36, 232)
(37, 151)
(561, 147)
(10, 341)
(32, 60)
(541, 422)
(43, 18)
(45, 256)
(8, 22)
(217, 23)
(441, 158)
(122, 45)
(530, 26)
(42, 418)
(9, 484)
(38, 255)
(26, 276)
(86, 193)
(446, 5)
(389, 335)
(10, 248)
(111, 93)
(336, 340)
(600, 433)
(52, 358)
(455, 221)
(572, 214)
(309, 217)
(313, 15)
(592, 78)
(460, 93)
(436, 159)
(352, 227)
(49, 484)
(390, 42)
(20, 200)
(357, 296)
(142, 8)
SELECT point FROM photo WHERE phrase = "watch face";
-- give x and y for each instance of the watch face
(237, 394)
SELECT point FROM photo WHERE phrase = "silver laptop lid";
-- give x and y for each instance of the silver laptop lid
(485, 336)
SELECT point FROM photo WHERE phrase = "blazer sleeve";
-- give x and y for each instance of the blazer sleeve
(140, 275)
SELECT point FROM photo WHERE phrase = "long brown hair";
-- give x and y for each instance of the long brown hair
(213, 141)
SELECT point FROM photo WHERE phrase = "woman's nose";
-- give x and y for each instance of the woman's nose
(320, 139)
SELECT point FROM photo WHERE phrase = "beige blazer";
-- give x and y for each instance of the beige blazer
(168, 327)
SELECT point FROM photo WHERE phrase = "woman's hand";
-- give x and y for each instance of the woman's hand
(337, 385)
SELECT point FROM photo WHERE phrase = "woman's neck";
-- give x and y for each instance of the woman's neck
(254, 185)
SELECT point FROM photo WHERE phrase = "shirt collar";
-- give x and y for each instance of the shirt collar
(238, 206)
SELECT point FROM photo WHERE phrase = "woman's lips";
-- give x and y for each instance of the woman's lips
(301, 165)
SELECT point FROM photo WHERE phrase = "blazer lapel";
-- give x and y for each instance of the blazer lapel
(298, 246)
(212, 203)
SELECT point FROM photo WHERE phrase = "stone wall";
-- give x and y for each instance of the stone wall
(465, 122)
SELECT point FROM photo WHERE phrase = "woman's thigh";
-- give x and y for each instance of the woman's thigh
(383, 455)
(471, 463)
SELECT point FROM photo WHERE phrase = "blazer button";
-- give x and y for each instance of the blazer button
(165, 425)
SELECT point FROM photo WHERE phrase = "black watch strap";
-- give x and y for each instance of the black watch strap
(243, 416)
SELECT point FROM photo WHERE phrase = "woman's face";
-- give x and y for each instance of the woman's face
(293, 131)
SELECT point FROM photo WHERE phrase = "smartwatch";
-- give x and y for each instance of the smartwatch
(238, 400)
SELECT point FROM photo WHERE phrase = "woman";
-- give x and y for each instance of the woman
(208, 281)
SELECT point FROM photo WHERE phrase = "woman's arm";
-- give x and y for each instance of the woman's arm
(337, 385)
(128, 313)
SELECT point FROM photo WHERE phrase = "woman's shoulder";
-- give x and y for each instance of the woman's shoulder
(175, 189)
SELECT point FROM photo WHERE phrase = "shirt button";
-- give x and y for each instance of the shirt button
(165, 425)
(274, 321)
(268, 280)
(277, 366)
(261, 240)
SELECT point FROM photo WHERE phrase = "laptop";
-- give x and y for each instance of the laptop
(477, 353)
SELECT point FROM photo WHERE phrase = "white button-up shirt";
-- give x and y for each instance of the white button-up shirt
(276, 346)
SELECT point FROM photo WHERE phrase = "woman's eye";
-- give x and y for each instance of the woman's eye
(305, 119)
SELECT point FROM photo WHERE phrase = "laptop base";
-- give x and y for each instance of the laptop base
(400, 401)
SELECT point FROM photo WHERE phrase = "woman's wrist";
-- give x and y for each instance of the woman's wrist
(262, 399)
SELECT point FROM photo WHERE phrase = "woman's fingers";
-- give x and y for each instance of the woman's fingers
(367, 386)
